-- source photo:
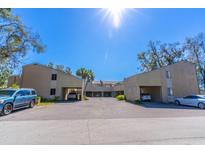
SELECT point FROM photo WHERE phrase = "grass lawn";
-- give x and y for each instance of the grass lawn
(44, 103)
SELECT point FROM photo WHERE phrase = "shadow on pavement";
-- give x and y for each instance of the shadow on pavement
(159, 105)
(69, 101)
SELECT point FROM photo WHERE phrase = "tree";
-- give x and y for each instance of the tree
(68, 70)
(5, 72)
(195, 47)
(87, 76)
(60, 67)
(151, 59)
(90, 77)
(171, 53)
(16, 40)
(159, 55)
(50, 64)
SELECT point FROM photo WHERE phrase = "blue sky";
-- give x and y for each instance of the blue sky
(85, 38)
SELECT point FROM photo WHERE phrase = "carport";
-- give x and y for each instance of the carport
(154, 91)
(67, 90)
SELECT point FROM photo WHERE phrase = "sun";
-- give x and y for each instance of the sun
(116, 15)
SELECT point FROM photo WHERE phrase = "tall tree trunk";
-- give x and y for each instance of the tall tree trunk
(86, 83)
(82, 91)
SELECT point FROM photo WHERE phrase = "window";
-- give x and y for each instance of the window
(33, 92)
(26, 92)
(168, 74)
(52, 91)
(191, 97)
(20, 93)
(54, 77)
(170, 92)
(6, 93)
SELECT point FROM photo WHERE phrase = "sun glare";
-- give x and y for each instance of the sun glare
(116, 15)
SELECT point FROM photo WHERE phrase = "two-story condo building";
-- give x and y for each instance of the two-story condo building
(176, 80)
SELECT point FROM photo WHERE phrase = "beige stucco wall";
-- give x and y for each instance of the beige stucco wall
(119, 87)
(37, 77)
(184, 79)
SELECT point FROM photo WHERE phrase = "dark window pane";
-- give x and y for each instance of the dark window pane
(33, 92)
(54, 77)
(52, 91)
(20, 93)
(26, 92)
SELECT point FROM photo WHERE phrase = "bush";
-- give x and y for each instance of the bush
(86, 98)
(49, 99)
(137, 101)
(15, 86)
(38, 99)
(120, 97)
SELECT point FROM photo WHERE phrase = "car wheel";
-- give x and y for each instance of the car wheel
(177, 102)
(32, 104)
(201, 105)
(8, 108)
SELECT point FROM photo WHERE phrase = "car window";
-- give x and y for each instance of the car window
(7, 92)
(20, 93)
(33, 92)
(191, 97)
(26, 92)
(195, 97)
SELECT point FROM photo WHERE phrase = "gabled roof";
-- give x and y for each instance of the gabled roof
(135, 75)
(38, 64)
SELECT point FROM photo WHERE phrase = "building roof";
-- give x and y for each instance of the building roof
(52, 69)
(105, 82)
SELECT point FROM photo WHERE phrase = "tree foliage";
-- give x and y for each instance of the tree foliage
(195, 47)
(16, 40)
(62, 68)
(160, 54)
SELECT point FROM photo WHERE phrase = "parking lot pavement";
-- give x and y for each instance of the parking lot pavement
(103, 108)
(104, 121)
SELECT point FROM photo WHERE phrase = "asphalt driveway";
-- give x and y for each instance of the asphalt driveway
(104, 121)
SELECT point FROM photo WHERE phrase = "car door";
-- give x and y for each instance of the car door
(191, 100)
(19, 99)
(27, 96)
(187, 100)
(194, 101)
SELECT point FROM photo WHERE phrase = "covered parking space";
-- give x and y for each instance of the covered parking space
(71, 90)
(154, 91)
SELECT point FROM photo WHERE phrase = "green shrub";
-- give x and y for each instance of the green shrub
(38, 99)
(15, 86)
(56, 98)
(86, 98)
(50, 99)
(137, 101)
(120, 97)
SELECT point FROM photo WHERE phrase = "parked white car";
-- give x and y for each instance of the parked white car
(192, 100)
(146, 97)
